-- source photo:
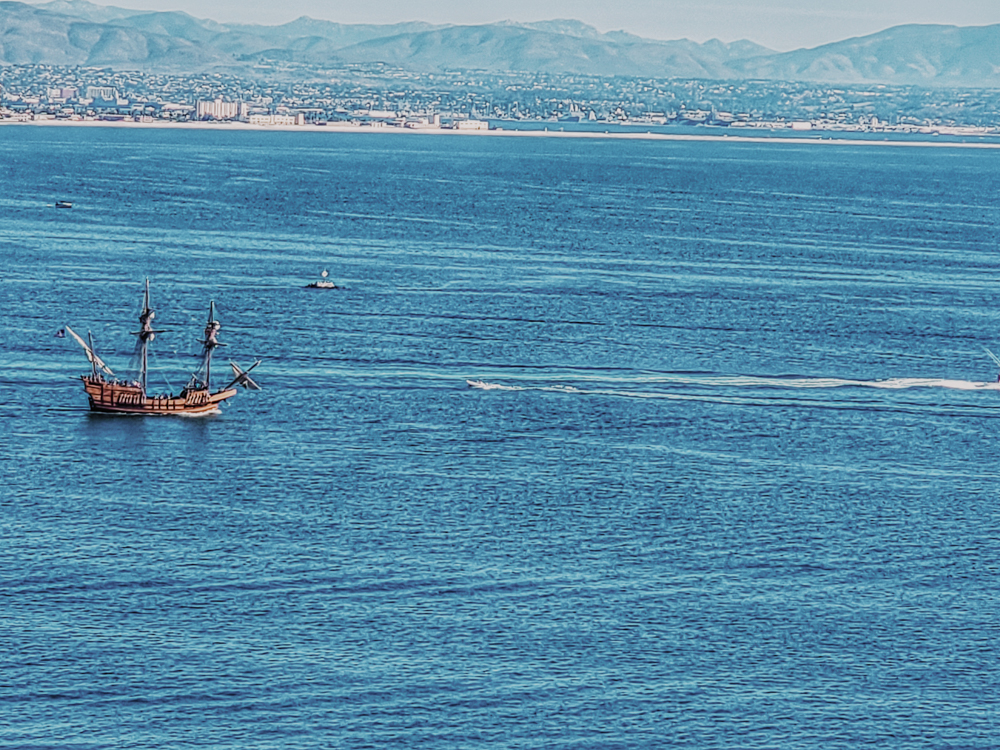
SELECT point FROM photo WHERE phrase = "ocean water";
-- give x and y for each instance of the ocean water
(599, 444)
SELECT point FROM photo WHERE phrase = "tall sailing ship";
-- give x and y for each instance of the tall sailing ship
(108, 393)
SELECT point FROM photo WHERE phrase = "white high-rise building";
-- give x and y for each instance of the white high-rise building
(220, 110)
(102, 93)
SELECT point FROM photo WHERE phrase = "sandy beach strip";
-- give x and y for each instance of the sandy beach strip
(817, 137)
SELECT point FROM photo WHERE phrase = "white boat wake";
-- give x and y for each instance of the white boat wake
(745, 382)
(482, 385)
(200, 414)
(741, 381)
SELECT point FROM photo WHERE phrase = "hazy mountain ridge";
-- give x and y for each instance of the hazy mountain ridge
(77, 32)
(32, 35)
(502, 47)
(912, 54)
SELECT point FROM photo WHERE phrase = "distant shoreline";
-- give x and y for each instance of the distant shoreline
(818, 136)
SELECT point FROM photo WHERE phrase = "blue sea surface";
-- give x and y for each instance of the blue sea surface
(598, 444)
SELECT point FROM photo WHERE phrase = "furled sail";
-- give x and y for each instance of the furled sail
(96, 361)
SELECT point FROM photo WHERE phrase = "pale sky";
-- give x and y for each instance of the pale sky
(779, 24)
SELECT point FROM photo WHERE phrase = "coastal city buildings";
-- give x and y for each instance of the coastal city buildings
(382, 96)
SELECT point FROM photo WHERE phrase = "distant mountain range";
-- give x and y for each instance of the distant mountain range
(76, 32)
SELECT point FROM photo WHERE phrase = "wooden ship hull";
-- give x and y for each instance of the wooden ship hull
(118, 398)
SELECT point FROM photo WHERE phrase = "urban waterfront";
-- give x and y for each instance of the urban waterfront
(381, 95)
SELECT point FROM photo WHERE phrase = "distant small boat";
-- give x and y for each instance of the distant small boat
(64, 204)
(322, 283)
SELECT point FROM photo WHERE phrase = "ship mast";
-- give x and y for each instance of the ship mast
(210, 342)
(90, 350)
(145, 334)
